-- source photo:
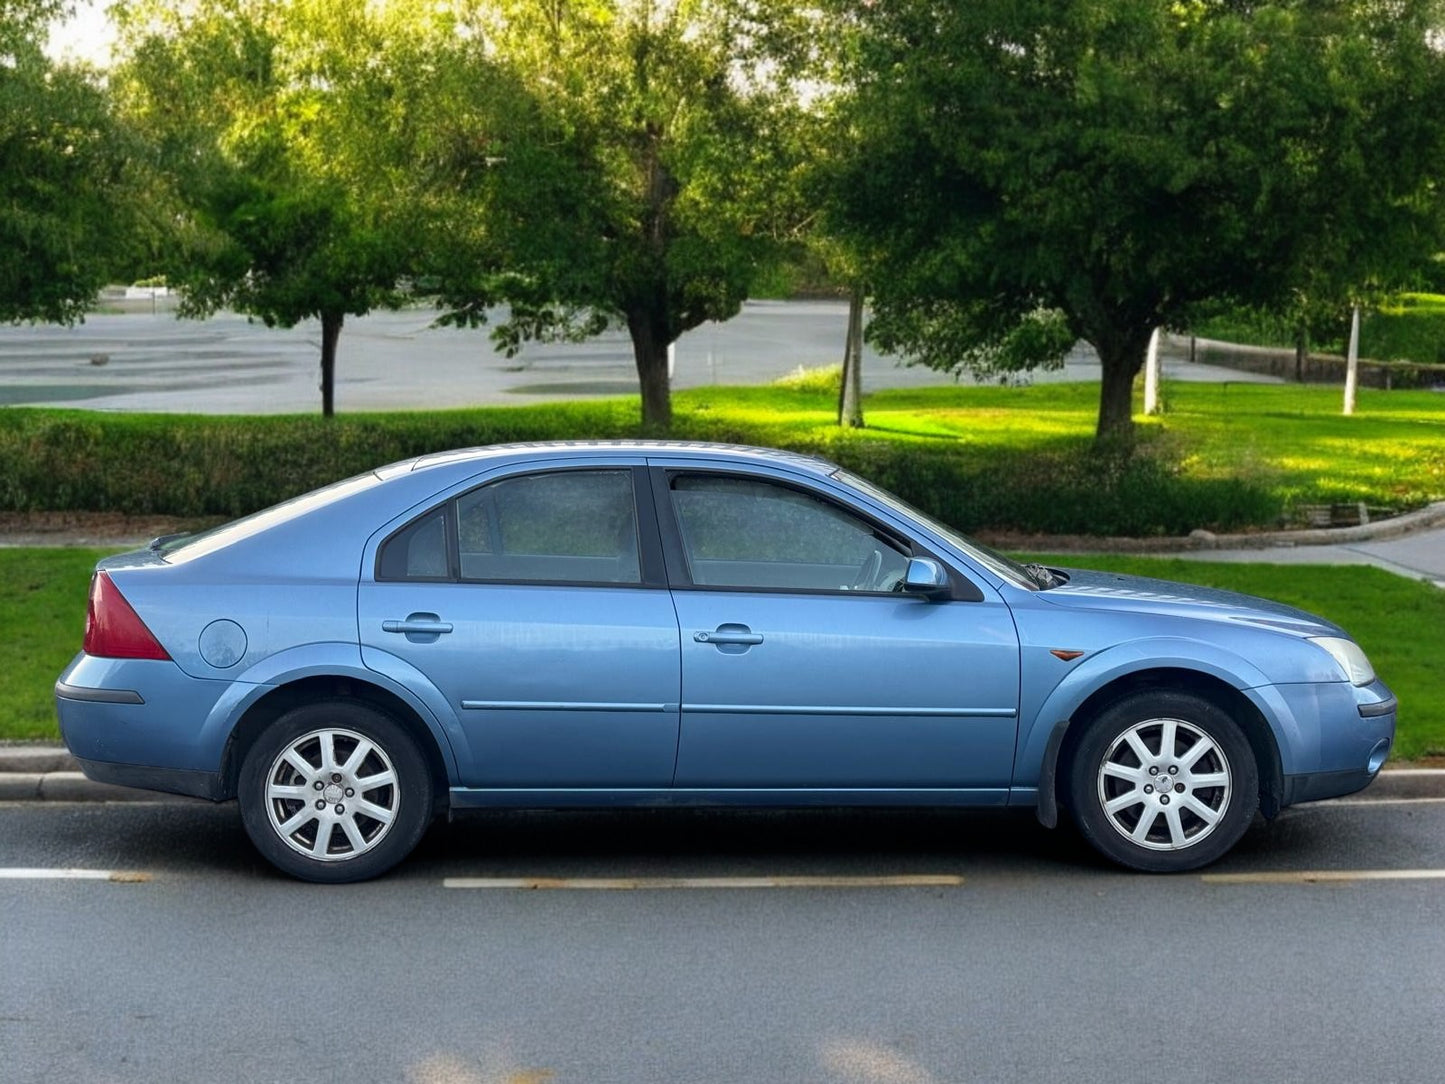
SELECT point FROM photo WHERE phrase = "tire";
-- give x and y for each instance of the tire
(365, 772)
(1207, 803)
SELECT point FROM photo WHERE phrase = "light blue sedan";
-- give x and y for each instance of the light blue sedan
(624, 624)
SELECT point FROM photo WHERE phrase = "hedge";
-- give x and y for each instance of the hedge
(224, 466)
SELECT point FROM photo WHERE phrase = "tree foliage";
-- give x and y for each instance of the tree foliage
(649, 184)
(69, 192)
(1026, 172)
(268, 119)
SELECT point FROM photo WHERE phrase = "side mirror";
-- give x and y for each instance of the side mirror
(925, 576)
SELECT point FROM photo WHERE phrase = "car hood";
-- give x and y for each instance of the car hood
(1088, 589)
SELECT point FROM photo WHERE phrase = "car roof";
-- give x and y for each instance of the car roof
(535, 451)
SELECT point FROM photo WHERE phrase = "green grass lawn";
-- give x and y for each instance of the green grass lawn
(1401, 624)
(1291, 440)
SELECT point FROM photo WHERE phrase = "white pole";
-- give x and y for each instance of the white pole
(1151, 375)
(1352, 361)
(671, 359)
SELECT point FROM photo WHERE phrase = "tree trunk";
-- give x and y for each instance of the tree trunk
(330, 332)
(1301, 351)
(649, 350)
(1120, 358)
(850, 390)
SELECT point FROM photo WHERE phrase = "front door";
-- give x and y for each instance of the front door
(803, 665)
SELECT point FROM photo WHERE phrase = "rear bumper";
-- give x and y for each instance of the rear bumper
(196, 784)
(126, 720)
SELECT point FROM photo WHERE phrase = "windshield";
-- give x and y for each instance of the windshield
(1004, 567)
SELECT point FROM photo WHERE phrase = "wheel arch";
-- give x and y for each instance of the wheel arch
(1065, 736)
(315, 688)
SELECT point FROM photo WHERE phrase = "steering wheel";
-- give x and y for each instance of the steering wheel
(868, 571)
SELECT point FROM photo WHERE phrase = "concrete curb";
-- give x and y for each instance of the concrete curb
(1421, 519)
(1397, 783)
(47, 773)
(74, 787)
(1430, 517)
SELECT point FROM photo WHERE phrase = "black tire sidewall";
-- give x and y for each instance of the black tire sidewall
(413, 780)
(1104, 730)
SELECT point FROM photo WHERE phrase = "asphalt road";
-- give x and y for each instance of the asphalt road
(399, 361)
(1041, 964)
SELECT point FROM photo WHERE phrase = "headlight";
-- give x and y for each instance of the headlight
(1352, 660)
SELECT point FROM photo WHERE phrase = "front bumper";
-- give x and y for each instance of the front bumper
(1320, 785)
(1334, 737)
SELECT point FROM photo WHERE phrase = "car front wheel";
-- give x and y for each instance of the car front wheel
(1163, 782)
(334, 792)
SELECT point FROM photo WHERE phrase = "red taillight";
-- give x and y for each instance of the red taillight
(112, 629)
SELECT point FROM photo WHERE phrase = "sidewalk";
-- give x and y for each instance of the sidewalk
(1412, 545)
(1418, 556)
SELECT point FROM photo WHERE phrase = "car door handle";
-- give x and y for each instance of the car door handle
(734, 634)
(418, 623)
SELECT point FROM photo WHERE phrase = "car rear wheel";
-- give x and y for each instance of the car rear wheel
(335, 791)
(1163, 782)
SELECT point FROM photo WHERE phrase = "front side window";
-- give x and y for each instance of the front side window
(752, 533)
(557, 527)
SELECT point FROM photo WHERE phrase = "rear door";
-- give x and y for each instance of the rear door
(536, 604)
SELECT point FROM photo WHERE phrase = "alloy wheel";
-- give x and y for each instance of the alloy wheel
(332, 795)
(1164, 784)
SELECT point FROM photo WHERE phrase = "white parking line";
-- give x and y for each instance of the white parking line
(118, 876)
(1320, 876)
(1334, 803)
(630, 883)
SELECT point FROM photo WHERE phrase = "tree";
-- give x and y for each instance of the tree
(68, 189)
(1029, 172)
(260, 115)
(649, 188)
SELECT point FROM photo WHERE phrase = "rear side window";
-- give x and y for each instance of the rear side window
(561, 527)
(556, 527)
(418, 552)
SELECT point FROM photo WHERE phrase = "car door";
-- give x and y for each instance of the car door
(536, 604)
(804, 666)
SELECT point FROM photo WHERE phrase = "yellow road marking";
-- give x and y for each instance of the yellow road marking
(632, 883)
(1321, 876)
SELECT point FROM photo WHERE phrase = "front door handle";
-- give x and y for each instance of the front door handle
(419, 628)
(731, 635)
